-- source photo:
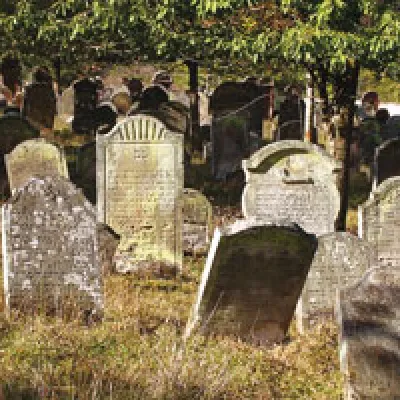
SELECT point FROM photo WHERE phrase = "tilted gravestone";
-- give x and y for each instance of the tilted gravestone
(386, 161)
(13, 130)
(341, 259)
(292, 180)
(108, 242)
(152, 97)
(369, 318)
(378, 221)
(139, 190)
(50, 251)
(197, 221)
(40, 105)
(122, 101)
(34, 157)
(252, 279)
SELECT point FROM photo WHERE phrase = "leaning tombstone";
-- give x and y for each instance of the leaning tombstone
(152, 98)
(13, 130)
(292, 180)
(122, 101)
(40, 105)
(386, 161)
(252, 279)
(197, 222)
(340, 261)
(378, 221)
(139, 190)
(50, 256)
(369, 318)
(34, 157)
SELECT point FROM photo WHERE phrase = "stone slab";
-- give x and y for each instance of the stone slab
(252, 279)
(139, 191)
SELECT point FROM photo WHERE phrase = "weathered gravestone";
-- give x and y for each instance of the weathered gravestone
(139, 190)
(108, 242)
(40, 105)
(292, 180)
(85, 103)
(386, 161)
(197, 221)
(152, 97)
(34, 157)
(50, 251)
(341, 259)
(378, 221)
(252, 279)
(66, 102)
(13, 130)
(122, 101)
(369, 317)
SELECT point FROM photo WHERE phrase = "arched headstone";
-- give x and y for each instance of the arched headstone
(292, 180)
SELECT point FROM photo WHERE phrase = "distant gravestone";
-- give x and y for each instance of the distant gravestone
(108, 242)
(230, 144)
(139, 189)
(252, 279)
(292, 180)
(13, 130)
(40, 105)
(122, 101)
(369, 317)
(152, 97)
(386, 161)
(66, 102)
(197, 221)
(379, 221)
(340, 261)
(34, 157)
(50, 251)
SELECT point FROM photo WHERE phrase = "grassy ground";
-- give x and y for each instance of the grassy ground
(138, 351)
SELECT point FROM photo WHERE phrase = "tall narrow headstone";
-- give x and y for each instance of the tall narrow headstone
(34, 157)
(252, 279)
(341, 260)
(50, 251)
(379, 221)
(139, 190)
(292, 180)
(369, 318)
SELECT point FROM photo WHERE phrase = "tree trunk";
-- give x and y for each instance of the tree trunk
(347, 97)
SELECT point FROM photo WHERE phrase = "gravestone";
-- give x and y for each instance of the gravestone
(369, 318)
(134, 86)
(292, 180)
(122, 101)
(108, 242)
(252, 279)
(13, 130)
(386, 161)
(197, 222)
(66, 102)
(291, 119)
(40, 105)
(34, 157)
(152, 98)
(340, 261)
(104, 117)
(50, 251)
(378, 221)
(139, 189)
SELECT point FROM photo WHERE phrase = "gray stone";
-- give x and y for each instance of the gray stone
(108, 242)
(34, 157)
(292, 180)
(378, 221)
(386, 161)
(197, 222)
(369, 317)
(50, 255)
(139, 191)
(66, 102)
(341, 260)
(252, 279)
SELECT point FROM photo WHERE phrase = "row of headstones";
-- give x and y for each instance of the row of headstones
(141, 160)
